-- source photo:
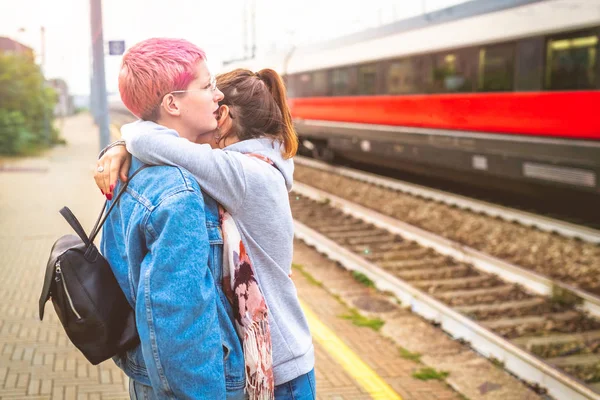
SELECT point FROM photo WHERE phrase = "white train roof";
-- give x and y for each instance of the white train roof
(472, 23)
(526, 20)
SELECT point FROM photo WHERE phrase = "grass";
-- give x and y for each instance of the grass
(353, 315)
(360, 320)
(424, 374)
(408, 355)
(497, 363)
(338, 298)
(363, 279)
(311, 279)
(427, 374)
(564, 297)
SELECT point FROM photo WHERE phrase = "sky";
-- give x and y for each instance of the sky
(222, 28)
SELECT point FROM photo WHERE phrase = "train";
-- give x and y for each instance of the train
(486, 89)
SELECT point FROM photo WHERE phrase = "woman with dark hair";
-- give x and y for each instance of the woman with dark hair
(246, 165)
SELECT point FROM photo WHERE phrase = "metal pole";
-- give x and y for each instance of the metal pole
(93, 102)
(43, 49)
(245, 34)
(93, 97)
(253, 22)
(99, 80)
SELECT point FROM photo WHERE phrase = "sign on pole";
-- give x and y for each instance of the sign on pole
(116, 47)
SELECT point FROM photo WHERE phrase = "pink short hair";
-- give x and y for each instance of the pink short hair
(153, 68)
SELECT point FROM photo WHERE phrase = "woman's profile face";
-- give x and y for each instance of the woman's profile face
(200, 101)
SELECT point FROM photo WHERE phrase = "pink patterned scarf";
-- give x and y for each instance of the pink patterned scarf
(249, 309)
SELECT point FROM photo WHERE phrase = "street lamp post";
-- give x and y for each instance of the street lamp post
(43, 48)
(99, 79)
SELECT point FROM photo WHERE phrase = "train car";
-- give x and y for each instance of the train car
(486, 88)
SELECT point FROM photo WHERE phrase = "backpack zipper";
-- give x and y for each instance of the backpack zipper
(64, 284)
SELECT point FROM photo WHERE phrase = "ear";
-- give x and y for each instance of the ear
(224, 125)
(170, 105)
(223, 116)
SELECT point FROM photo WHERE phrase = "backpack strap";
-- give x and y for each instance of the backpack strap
(76, 225)
(100, 221)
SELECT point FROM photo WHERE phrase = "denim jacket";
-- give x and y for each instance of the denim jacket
(164, 244)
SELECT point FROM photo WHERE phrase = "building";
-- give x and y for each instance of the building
(64, 105)
(7, 45)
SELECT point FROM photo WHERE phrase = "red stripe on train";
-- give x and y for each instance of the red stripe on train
(560, 114)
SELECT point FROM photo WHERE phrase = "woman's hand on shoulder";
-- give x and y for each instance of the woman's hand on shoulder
(114, 164)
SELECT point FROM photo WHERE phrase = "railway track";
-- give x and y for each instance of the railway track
(503, 311)
(536, 245)
(524, 218)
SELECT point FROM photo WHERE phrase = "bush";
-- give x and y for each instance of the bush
(14, 136)
(22, 91)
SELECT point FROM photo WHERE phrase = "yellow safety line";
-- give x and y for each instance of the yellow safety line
(354, 366)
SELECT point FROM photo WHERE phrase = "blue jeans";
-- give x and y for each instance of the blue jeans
(301, 388)
(139, 391)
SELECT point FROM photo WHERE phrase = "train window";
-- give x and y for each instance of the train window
(529, 65)
(402, 77)
(367, 79)
(449, 74)
(320, 84)
(571, 62)
(496, 67)
(290, 84)
(341, 81)
(304, 85)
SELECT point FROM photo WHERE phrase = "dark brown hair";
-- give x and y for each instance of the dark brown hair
(258, 107)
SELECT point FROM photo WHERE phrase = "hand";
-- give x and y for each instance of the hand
(114, 165)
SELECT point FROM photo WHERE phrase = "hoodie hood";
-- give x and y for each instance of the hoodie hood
(271, 149)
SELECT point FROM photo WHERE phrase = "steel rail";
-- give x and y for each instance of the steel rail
(520, 362)
(493, 210)
(532, 281)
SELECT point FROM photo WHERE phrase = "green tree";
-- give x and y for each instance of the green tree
(26, 105)
(14, 136)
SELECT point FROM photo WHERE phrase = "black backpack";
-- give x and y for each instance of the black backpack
(85, 293)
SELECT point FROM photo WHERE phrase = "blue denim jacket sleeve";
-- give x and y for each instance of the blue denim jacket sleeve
(176, 303)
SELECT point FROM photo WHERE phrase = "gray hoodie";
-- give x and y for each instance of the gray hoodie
(256, 195)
